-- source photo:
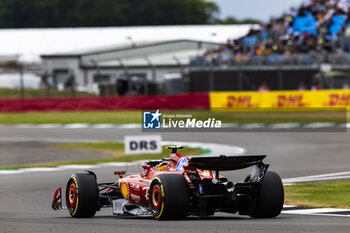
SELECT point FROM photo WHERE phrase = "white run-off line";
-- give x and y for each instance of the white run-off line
(317, 211)
(322, 177)
(216, 150)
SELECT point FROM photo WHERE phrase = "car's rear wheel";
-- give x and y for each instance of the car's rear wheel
(269, 200)
(169, 197)
(82, 195)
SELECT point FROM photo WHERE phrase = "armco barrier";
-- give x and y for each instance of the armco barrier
(183, 101)
(281, 99)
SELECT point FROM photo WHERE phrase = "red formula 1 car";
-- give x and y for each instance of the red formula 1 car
(178, 186)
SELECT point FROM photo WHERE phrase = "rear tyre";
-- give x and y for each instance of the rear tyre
(269, 201)
(169, 197)
(82, 195)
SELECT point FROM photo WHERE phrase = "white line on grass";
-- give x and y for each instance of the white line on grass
(318, 211)
(322, 177)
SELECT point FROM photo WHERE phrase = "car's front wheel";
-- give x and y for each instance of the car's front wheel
(82, 195)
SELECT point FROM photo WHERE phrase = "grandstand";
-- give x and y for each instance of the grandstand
(96, 58)
(303, 45)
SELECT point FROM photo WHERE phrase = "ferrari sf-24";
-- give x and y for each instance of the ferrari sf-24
(176, 187)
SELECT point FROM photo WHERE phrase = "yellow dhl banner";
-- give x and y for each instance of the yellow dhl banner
(281, 99)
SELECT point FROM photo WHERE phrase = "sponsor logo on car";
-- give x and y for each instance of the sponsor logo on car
(135, 198)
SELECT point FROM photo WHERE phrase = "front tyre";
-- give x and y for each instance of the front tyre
(269, 201)
(169, 197)
(82, 195)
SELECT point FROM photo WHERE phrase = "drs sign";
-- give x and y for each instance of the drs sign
(149, 144)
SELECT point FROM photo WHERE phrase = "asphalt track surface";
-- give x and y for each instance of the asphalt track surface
(25, 199)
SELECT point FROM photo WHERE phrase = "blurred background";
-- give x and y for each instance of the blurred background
(76, 77)
(81, 48)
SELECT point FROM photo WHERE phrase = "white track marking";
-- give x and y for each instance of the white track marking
(253, 126)
(318, 125)
(229, 125)
(318, 212)
(284, 126)
(76, 126)
(322, 177)
(50, 126)
(289, 206)
(346, 126)
(102, 126)
(216, 149)
(129, 126)
(23, 126)
(315, 210)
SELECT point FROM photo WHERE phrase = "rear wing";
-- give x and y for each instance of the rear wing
(225, 163)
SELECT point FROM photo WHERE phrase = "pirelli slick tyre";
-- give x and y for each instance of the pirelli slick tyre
(82, 195)
(169, 197)
(269, 201)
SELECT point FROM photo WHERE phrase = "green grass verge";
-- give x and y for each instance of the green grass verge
(128, 117)
(39, 93)
(321, 194)
(116, 149)
(103, 117)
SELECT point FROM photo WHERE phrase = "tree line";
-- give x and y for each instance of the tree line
(96, 13)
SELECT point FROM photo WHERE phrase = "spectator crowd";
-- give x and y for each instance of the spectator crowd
(316, 26)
